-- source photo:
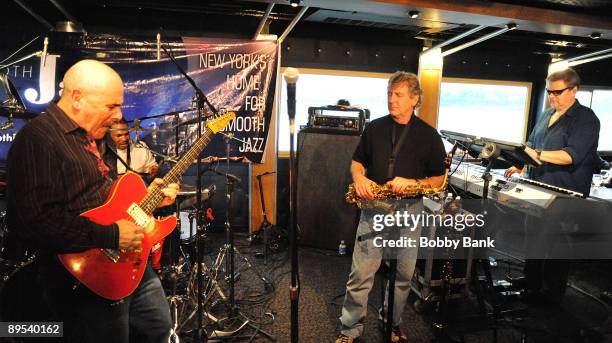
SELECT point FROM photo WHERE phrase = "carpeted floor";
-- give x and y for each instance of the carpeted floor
(323, 274)
(262, 296)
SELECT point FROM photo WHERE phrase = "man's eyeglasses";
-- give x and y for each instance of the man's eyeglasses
(557, 92)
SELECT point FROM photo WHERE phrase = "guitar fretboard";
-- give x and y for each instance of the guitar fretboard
(150, 202)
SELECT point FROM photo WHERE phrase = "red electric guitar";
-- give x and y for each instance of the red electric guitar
(114, 274)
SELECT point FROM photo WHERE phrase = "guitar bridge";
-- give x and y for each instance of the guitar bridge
(112, 254)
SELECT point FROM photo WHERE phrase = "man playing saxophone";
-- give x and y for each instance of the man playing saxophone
(401, 152)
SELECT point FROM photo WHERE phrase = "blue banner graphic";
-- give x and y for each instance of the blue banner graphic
(235, 76)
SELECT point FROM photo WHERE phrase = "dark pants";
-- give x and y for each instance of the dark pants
(547, 267)
(547, 278)
(144, 316)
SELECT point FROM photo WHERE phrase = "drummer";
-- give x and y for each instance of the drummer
(136, 156)
(140, 160)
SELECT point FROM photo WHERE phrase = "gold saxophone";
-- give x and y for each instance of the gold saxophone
(386, 192)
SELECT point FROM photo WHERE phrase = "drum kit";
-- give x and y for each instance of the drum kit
(191, 279)
(12, 106)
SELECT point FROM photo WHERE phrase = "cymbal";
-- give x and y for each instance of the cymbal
(190, 121)
(139, 128)
(187, 190)
(191, 190)
(194, 120)
(191, 198)
(17, 113)
(173, 113)
(212, 159)
(130, 129)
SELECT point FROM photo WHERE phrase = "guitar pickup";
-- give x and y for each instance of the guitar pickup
(112, 254)
(141, 218)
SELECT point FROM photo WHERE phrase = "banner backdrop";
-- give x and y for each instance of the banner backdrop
(235, 75)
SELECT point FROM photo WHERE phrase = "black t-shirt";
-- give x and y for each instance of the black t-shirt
(421, 154)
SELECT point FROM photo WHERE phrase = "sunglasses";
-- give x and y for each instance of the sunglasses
(557, 92)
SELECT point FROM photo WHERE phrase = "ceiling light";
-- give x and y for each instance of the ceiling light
(294, 3)
(595, 35)
(511, 26)
(413, 13)
(68, 26)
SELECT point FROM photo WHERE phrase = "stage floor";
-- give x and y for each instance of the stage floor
(323, 274)
(262, 294)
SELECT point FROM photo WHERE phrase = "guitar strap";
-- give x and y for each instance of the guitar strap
(128, 153)
(396, 147)
(126, 164)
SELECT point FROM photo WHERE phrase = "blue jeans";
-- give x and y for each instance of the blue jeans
(366, 261)
(144, 316)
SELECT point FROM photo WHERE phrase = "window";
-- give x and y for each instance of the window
(325, 87)
(482, 108)
(602, 106)
(584, 97)
(600, 101)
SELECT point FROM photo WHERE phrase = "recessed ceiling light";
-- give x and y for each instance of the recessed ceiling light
(511, 26)
(595, 35)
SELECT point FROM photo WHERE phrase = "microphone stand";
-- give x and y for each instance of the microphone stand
(291, 76)
(9, 123)
(265, 226)
(229, 248)
(38, 53)
(229, 233)
(200, 100)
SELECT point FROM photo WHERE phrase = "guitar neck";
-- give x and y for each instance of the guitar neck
(150, 202)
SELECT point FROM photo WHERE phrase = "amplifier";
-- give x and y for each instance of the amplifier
(338, 119)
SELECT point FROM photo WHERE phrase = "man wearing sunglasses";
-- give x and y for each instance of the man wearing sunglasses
(564, 143)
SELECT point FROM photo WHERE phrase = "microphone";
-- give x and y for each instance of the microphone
(291, 76)
(7, 124)
(233, 178)
(43, 56)
(209, 192)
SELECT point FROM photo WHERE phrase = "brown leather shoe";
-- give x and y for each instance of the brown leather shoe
(397, 336)
(344, 339)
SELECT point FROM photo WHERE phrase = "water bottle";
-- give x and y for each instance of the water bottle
(448, 203)
(342, 248)
(449, 197)
(459, 204)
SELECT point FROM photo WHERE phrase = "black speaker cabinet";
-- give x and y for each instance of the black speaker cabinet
(323, 175)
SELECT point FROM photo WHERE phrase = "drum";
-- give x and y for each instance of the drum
(187, 224)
